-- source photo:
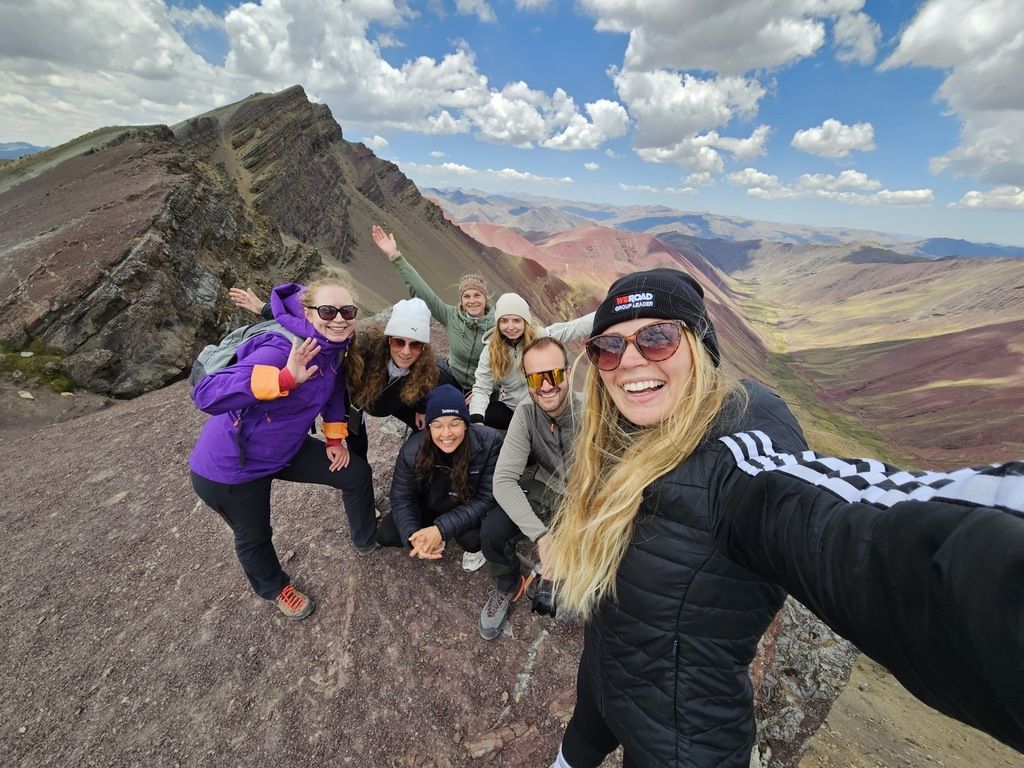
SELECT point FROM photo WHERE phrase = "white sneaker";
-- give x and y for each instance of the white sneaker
(473, 561)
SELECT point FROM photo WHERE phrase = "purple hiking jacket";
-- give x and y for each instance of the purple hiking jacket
(246, 438)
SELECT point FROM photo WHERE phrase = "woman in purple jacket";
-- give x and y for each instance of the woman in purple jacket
(261, 410)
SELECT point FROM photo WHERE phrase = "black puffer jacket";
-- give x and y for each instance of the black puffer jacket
(668, 660)
(923, 571)
(407, 492)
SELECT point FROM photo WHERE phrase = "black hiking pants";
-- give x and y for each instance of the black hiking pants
(245, 507)
(499, 535)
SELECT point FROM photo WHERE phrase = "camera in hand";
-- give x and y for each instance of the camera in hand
(542, 599)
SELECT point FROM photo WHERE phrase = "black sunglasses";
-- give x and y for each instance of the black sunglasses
(327, 312)
(656, 342)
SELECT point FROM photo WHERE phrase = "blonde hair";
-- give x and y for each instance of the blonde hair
(614, 462)
(332, 276)
(501, 350)
(329, 276)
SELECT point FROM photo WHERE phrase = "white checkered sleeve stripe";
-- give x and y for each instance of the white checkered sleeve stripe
(870, 481)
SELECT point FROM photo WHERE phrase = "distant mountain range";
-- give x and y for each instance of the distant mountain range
(15, 149)
(914, 355)
(117, 248)
(535, 216)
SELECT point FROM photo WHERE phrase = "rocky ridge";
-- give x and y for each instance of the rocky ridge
(118, 248)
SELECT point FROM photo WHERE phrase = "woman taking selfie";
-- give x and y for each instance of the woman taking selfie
(441, 489)
(261, 409)
(697, 509)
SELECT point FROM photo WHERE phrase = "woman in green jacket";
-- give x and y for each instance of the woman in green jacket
(465, 324)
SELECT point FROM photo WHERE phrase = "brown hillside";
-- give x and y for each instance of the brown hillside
(592, 257)
(118, 248)
(134, 640)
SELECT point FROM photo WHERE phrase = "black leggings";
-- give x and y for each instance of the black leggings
(245, 507)
(588, 740)
(358, 441)
(498, 415)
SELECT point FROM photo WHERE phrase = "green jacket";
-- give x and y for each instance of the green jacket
(465, 333)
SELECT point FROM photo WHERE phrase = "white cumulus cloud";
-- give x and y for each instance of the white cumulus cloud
(592, 166)
(849, 187)
(1006, 198)
(479, 8)
(834, 139)
(980, 47)
(376, 143)
(699, 179)
(725, 36)
(856, 37)
(457, 169)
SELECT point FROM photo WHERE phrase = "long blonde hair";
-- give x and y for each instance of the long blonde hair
(501, 350)
(614, 463)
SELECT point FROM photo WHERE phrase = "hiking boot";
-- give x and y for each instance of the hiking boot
(473, 561)
(371, 547)
(293, 603)
(494, 614)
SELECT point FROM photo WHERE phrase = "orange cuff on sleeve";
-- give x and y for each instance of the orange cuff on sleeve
(266, 382)
(335, 430)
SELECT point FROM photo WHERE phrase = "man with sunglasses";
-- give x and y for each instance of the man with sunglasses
(541, 433)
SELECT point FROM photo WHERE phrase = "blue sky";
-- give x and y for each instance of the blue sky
(900, 116)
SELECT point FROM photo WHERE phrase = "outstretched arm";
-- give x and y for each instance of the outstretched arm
(923, 572)
(418, 287)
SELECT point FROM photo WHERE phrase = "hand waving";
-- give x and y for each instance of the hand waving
(299, 358)
(246, 299)
(385, 242)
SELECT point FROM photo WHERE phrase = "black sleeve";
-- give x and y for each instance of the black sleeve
(404, 495)
(932, 589)
(471, 514)
(267, 313)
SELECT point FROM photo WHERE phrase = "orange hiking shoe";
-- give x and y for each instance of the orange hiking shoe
(293, 603)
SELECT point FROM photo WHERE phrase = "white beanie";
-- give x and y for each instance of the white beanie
(410, 319)
(512, 304)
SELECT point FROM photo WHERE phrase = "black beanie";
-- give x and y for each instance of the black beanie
(446, 400)
(658, 293)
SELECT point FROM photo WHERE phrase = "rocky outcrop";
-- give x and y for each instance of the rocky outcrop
(118, 248)
(116, 259)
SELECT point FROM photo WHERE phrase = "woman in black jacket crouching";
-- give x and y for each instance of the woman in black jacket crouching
(441, 488)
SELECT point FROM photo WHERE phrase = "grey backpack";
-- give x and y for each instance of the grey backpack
(217, 356)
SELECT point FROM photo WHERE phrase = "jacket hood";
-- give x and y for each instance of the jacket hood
(289, 312)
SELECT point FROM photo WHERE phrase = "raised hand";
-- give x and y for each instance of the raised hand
(386, 242)
(246, 299)
(299, 358)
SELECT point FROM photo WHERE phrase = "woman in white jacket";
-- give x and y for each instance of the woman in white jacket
(500, 368)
